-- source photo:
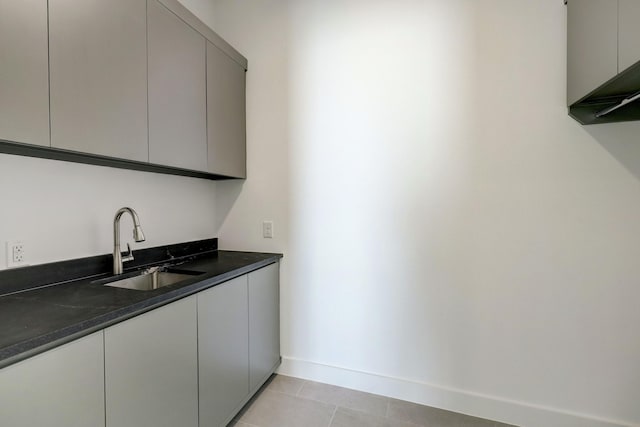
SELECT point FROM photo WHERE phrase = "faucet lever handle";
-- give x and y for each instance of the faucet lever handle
(127, 256)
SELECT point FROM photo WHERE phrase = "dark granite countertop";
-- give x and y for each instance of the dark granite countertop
(35, 319)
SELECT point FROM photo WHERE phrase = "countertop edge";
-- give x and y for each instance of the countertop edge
(71, 333)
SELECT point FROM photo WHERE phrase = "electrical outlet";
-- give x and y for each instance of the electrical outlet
(16, 254)
(267, 229)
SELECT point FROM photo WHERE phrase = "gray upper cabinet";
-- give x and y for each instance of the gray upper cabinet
(99, 77)
(629, 38)
(151, 368)
(63, 387)
(223, 351)
(592, 45)
(24, 80)
(136, 84)
(264, 324)
(177, 91)
(226, 116)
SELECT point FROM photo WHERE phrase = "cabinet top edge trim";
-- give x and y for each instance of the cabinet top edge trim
(196, 23)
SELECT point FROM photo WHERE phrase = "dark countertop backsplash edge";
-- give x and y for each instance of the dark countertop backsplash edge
(50, 274)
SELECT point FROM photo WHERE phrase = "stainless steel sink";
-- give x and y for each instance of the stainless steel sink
(153, 278)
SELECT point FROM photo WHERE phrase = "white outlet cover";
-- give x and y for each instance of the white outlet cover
(16, 254)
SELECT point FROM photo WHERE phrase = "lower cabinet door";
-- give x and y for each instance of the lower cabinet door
(63, 387)
(264, 324)
(223, 351)
(151, 368)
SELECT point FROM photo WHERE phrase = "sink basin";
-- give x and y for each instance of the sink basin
(151, 279)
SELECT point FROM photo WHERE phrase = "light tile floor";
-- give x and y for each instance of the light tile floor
(293, 402)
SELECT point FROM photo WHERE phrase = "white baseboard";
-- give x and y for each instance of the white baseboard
(491, 407)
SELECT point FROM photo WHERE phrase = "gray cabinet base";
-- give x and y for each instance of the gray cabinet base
(253, 392)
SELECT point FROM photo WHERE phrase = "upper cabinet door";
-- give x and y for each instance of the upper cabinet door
(24, 79)
(629, 33)
(99, 77)
(592, 45)
(177, 91)
(226, 114)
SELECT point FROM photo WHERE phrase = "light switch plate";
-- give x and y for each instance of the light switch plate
(267, 229)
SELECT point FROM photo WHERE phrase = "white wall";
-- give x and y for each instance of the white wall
(65, 210)
(242, 206)
(451, 236)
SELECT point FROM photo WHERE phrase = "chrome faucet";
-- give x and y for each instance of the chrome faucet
(138, 236)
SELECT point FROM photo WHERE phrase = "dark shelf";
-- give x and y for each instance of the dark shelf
(27, 150)
(610, 93)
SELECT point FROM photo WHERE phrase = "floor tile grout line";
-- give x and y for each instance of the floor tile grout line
(351, 390)
(281, 392)
(364, 411)
(348, 390)
(405, 422)
(324, 402)
(337, 388)
(381, 417)
(300, 397)
(332, 416)
(288, 393)
(301, 387)
(267, 390)
(305, 398)
(388, 400)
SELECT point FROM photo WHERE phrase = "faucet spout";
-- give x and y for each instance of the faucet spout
(138, 236)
